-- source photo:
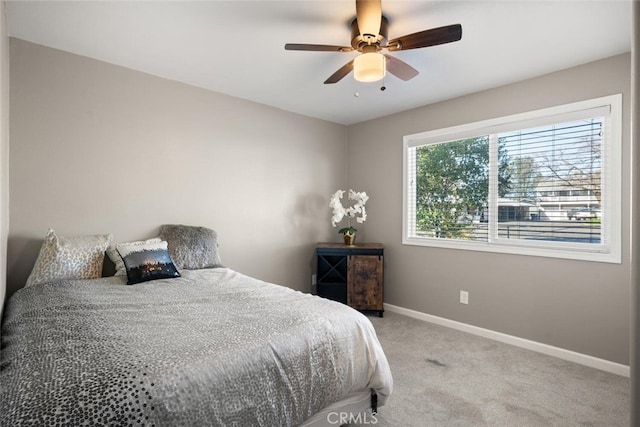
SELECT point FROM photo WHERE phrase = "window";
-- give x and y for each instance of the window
(545, 183)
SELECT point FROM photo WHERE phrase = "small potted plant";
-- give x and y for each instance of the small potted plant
(356, 211)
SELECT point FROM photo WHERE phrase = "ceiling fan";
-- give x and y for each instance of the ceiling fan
(368, 36)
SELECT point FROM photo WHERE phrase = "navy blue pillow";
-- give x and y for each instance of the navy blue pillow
(147, 262)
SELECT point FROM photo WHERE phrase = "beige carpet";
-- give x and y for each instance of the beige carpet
(444, 377)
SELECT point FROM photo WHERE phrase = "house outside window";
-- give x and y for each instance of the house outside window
(545, 183)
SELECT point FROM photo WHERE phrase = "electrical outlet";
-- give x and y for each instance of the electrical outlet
(313, 280)
(464, 297)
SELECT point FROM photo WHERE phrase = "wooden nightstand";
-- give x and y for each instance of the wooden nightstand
(352, 275)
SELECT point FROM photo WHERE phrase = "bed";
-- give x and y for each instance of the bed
(209, 347)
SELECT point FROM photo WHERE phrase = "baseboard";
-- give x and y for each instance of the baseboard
(571, 356)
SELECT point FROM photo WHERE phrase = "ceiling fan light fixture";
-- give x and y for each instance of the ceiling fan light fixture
(369, 67)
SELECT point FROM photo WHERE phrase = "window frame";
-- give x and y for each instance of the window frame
(608, 251)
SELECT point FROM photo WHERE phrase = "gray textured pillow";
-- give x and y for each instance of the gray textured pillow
(191, 248)
(78, 257)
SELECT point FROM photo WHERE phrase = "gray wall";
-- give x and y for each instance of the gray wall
(576, 305)
(97, 148)
(4, 150)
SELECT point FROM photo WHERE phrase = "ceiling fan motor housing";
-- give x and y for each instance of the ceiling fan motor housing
(358, 42)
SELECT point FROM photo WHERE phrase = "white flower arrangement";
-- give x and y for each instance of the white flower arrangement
(339, 212)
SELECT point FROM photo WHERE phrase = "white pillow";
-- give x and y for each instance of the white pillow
(78, 257)
(115, 257)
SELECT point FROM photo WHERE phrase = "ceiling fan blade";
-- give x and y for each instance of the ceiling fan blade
(400, 69)
(369, 16)
(338, 75)
(317, 47)
(432, 37)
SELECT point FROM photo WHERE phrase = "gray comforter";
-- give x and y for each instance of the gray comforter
(213, 347)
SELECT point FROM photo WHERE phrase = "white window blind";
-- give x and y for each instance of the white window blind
(554, 185)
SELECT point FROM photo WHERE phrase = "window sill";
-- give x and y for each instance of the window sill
(613, 255)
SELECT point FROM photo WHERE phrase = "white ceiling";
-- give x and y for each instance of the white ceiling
(237, 47)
